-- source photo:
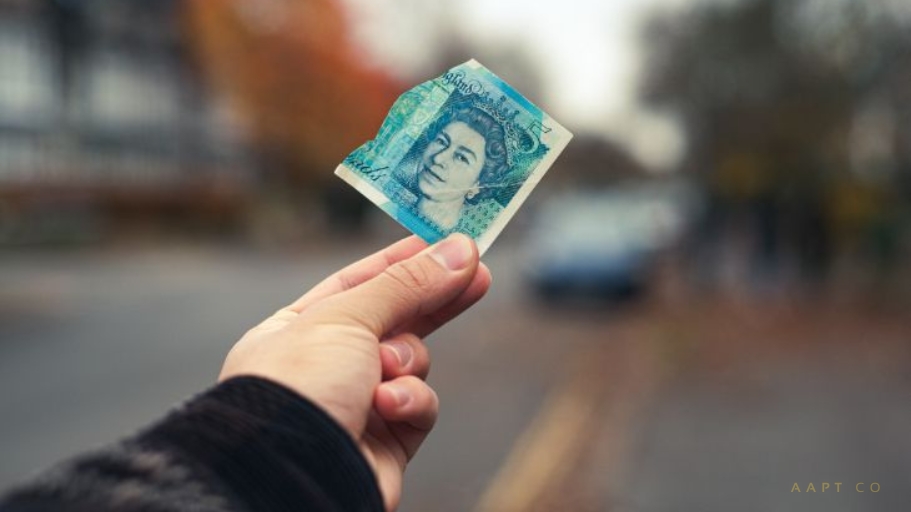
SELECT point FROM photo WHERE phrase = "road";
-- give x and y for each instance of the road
(673, 405)
(96, 344)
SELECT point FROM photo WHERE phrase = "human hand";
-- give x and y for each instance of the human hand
(354, 345)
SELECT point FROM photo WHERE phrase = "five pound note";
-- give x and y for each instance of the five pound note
(458, 153)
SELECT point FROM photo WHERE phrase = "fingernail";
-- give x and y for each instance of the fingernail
(401, 395)
(454, 252)
(402, 352)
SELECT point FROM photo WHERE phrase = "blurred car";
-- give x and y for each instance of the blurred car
(603, 243)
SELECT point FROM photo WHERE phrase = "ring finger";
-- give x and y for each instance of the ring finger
(404, 354)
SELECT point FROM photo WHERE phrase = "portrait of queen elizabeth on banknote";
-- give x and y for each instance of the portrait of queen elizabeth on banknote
(458, 153)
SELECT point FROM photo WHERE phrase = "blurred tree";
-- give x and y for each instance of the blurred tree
(770, 93)
(291, 68)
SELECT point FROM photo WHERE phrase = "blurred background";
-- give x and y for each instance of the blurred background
(704, 303)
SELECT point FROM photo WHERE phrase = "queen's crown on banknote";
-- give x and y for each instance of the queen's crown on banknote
(460, 153)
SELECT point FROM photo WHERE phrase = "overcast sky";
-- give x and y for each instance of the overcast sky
(585, 50)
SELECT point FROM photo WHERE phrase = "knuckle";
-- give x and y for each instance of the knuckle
(421, 360)
(422, 389)
(434, 398)
(411, 276)
(424, 372)
(346, 281)
(432, 408)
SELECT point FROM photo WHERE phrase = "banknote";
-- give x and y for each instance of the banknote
(459, 153)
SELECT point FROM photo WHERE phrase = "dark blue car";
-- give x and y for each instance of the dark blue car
(602, 244)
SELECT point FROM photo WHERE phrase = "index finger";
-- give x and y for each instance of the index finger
(359, 272)
(410, 289)
(426, 325)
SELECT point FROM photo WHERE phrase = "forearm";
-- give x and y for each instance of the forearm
(245, 445)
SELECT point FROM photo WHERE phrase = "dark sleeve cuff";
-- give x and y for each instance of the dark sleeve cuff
(274, 450)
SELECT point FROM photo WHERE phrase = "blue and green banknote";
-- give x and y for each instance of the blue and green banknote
(460, 153)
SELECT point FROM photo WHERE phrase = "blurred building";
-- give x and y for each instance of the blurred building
(102, 115)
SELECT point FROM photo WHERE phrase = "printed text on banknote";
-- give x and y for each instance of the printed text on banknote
(457, 153)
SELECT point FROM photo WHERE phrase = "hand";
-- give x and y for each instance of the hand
(353, 344)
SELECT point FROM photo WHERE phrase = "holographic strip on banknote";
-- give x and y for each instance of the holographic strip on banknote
(460, 153)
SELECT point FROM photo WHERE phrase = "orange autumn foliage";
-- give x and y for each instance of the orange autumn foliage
(290, 68)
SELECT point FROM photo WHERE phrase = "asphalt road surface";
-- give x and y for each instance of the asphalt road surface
(543, 409)
(94, 345)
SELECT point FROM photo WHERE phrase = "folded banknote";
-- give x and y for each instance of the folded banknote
(460, 153)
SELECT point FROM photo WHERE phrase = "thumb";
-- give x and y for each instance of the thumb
(406, 290)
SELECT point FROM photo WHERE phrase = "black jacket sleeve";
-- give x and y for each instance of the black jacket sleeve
(245, 445)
